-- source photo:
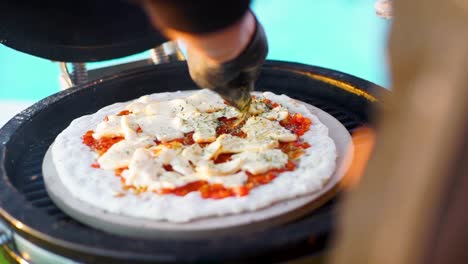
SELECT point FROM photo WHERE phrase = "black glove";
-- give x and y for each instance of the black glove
(233, 80)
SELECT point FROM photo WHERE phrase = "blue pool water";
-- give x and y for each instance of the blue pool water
(345, 35)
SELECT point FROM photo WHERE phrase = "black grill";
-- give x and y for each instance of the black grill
(27, 137)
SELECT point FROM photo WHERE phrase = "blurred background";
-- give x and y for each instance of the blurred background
(344, 35)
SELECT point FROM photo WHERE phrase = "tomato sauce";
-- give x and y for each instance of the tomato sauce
(270, 104)
(118, 172)
(295, 123)
(124, 112)
(168, 167)
(101, 145)
(230, 126)
(186, 140)
(221, 158)
(218, 191)
(207, 190)
(294, 149)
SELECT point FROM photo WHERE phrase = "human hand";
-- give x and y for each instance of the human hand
(226, 57)
(233, 79)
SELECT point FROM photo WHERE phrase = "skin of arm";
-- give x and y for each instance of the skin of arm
(219, 46)
(226, 45)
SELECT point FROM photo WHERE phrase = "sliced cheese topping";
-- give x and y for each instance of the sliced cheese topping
(182, 166)
(128, 127)
(206, 101)
(228, 112)
(110, 128)
(172, 108)
(257, 107)
(163, 128)
(210, 169)
(147, 171)
(192, 153)
(227, 143)
(203, 124)
(260, 128)
(234, 180)
(278, 113)
(120, 154)
(172, 164)
(257, 162)
(138, 105)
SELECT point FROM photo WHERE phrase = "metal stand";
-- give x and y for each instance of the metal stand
(79, 73)
(166, 52)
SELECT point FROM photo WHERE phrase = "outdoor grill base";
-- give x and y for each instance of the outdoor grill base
(28, 211)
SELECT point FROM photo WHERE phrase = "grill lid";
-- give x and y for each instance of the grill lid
(25, 205)
(78, 31)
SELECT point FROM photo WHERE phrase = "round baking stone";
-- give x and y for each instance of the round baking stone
(275, 214)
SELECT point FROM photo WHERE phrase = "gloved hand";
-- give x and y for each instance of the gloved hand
(234, 79)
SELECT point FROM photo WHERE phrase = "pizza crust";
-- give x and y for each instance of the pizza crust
(98, 188)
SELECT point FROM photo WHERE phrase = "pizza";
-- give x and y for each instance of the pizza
(188, 155)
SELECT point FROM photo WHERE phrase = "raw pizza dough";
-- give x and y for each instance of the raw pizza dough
(98, 187)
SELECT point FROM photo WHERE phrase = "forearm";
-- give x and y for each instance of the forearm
(226, 46)
(218, 32)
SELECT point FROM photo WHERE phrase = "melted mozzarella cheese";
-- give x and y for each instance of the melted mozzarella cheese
(234, 180)
(139, 105)
(172, 180)
(129, 127)
(182, 166)
(210, 169)
(278, 113)
(206, 101)
(146, 171)
(257, 162)
(164, 154)
(120, 154)
(192, 153)
(211, 151)
(233, 144)
(257, 107)
(262, 128)
(204, 126)
(199, 113)
(109, 128)
(162, 127)
(143, 169)
(170, 108)
(228, 112)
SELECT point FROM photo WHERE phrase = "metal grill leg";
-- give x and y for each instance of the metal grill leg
(80, 73)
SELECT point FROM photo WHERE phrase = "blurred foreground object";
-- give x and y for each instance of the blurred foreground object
(409, 206)
(363, 141)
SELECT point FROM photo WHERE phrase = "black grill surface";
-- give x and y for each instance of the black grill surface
(26, 138)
